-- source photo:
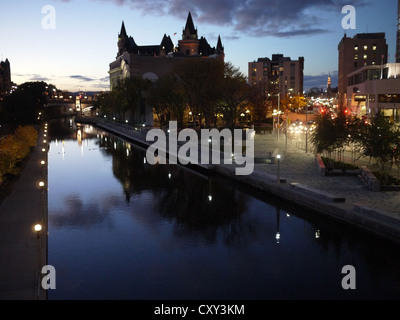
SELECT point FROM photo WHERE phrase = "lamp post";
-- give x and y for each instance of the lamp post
(306, 128)
(286, 129)
(278, 173)
(37, 228)
(278, 234)
(279, 111)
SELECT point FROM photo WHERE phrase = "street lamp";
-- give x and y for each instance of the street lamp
(279, 111)
(37, 228)
(278, 175)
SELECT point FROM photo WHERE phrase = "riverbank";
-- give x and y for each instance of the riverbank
(23, 252)
(345, 199)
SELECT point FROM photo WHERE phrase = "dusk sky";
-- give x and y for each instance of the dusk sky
(75, 54)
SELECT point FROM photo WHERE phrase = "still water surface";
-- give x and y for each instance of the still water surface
(120, 228)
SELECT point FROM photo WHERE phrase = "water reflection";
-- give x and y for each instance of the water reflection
(165, 232)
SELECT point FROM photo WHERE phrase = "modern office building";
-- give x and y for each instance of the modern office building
(362, 50)
(373, 88)
(277, 75)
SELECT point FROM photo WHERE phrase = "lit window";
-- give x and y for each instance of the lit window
(374, 47)
(365, 56)
(365, 47)
(355, 56)
(356, 47)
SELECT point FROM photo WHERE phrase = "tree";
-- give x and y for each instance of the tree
(168, 97)
(201, 80)
(260, 103)
(380, 143)
(14, 148)
(24, 104)
(234, 95)
(298, 102)
(330, 135)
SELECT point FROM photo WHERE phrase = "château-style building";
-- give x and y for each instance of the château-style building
(154, 61)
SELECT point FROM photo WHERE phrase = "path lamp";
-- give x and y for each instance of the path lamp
(278, 175)
(37, 228)
(41, 185)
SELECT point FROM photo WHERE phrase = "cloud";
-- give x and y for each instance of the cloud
(81, 78)
(256, 18)
(98, 83)
(32, 77)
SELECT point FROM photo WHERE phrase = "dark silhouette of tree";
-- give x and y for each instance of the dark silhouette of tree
(22, 107)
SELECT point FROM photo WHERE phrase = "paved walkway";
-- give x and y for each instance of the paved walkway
(298, 166)
(22, 253)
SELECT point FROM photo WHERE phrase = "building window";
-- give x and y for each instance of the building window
(365, 47)
(356, 47)
(355, 56)
(365, 56)
(355, 64)
(374, 47)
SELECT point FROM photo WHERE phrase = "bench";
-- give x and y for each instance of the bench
(319, 193)
(369, 178)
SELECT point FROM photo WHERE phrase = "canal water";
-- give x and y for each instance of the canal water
(120, 228)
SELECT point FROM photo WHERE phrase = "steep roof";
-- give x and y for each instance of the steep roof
(123, 30)
(190, 25)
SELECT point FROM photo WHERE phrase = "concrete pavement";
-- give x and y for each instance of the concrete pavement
(22, 253)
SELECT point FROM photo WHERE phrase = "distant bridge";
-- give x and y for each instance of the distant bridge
(66, 107)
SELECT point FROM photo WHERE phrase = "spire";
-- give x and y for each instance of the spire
(329, 82)
(123, 31)
(219, 44)
(190, 25)
(189, 32)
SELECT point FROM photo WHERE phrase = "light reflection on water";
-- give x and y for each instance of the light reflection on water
(122, 229)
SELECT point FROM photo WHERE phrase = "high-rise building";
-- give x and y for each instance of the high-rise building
(362, 50)
(5, 76)
(398, 33)
(277, 75)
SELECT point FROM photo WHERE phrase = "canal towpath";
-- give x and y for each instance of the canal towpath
(23, 252)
